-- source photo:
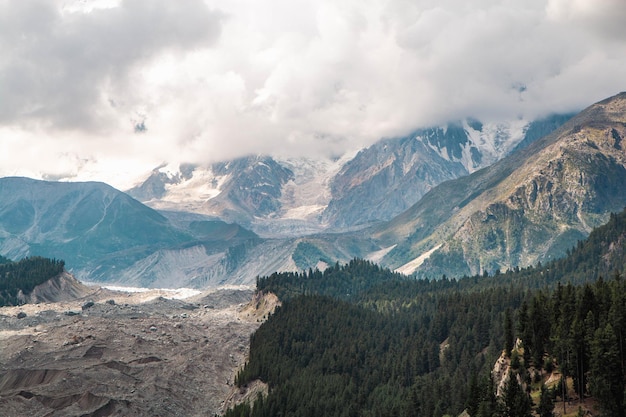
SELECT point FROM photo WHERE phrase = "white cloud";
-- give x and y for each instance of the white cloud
(605, 17)
(220, 79)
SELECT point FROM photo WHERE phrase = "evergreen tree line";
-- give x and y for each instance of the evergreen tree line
(405, 354)
(578, 330)
(361, 340)
(25, 275)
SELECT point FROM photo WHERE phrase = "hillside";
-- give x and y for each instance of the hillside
(105, 235)
(19, 281)
(359, 339)
(531, 206)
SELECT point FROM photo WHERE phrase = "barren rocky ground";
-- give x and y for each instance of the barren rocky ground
(136, 354)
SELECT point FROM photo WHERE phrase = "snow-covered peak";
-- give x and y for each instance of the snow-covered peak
(495, 140)
(474, 144)
(308, 193)
(201, 186)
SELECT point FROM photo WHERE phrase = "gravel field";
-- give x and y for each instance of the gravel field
(116, 353)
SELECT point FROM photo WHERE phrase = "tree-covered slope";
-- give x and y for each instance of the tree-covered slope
(361, 340)
(23, 276)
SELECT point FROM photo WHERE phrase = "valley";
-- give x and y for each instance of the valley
(120, 353)
(312, 209)
(467, 200)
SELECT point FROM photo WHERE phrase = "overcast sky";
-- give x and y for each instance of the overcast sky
(106, 89)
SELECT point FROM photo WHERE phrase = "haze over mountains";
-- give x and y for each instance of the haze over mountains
(474, 197)
(297, 195)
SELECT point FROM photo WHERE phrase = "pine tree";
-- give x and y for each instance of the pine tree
(515, 401)
(524, 330)
(546, 403)
(508, 332)
(474, 397)
(607, 380)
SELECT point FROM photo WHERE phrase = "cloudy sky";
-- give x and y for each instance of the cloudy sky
(108, 89)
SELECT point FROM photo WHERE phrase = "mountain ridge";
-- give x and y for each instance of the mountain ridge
(105, 235)
(509, 189)
(296, 196)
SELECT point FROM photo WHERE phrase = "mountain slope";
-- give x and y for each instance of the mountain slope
(235, 191)
(295, 196)
(105, 235)
(78, 222)
(530, 206)
(389, 177)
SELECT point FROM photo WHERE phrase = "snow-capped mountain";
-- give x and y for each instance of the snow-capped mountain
(295, 208)
(531, 206)
(298, 196)
(273, 196)
(237, 190)
(387, 178)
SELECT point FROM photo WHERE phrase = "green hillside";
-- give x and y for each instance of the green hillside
(24, 276)
(359, 340)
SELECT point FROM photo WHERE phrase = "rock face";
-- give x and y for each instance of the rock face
(235, 191)
(528, 207)
(387, 178)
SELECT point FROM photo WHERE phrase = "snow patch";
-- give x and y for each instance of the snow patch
(175, 294)
(378, 255)
(411, 266)
(202, 186)
(442, 152)
(308, 194)
(303, 212)
(496, 140)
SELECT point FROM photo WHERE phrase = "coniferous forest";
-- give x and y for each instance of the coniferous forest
(24, 276)
(359, 340)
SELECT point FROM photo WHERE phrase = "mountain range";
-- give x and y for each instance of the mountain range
(459, 199)
(278, 196)
(104, 234)
(529, 207)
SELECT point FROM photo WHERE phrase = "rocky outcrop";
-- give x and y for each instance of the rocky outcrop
(500, 373)
(63, 287)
